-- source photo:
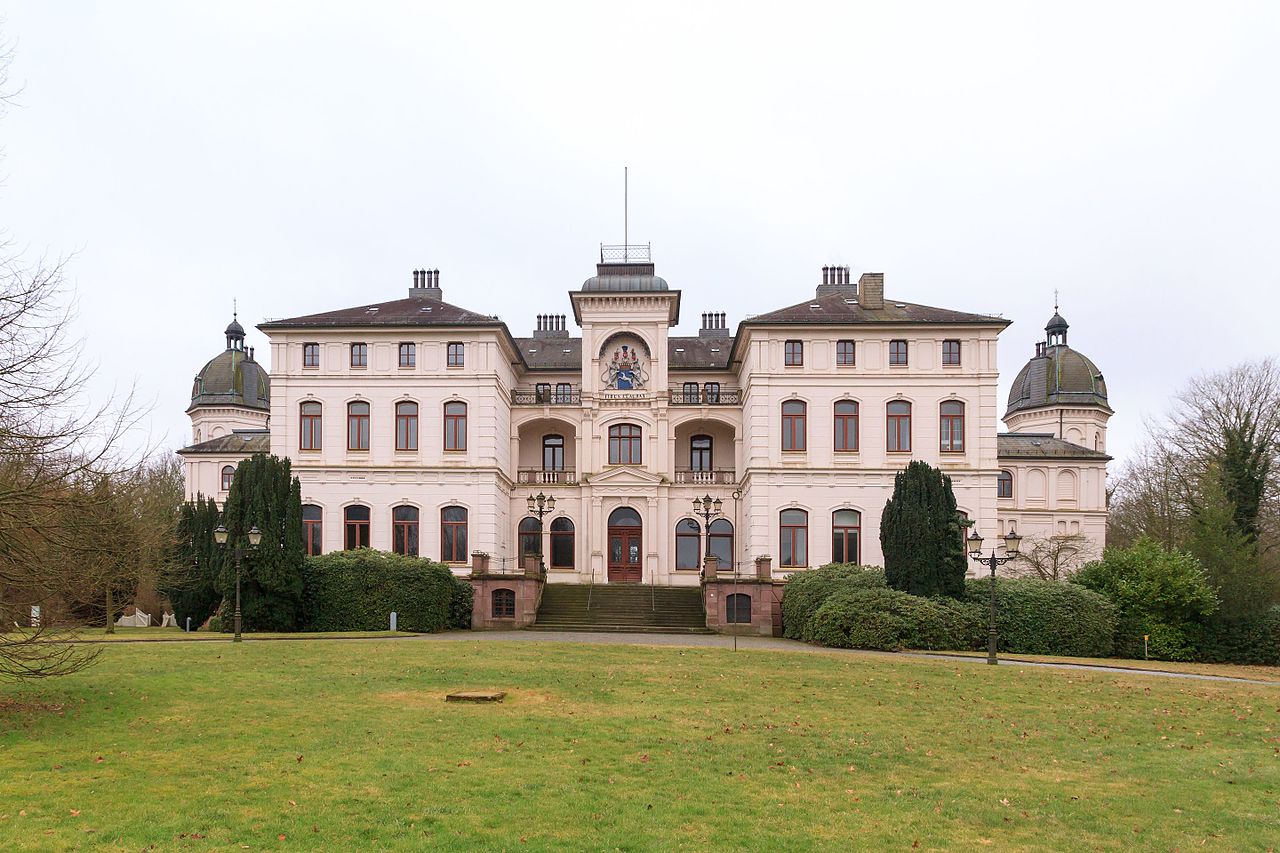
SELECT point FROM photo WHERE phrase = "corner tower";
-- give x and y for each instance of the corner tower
(231, 392)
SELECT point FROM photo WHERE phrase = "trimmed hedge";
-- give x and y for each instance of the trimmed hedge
(1039, 617)
(806, 591)
(357, 590)
(890, 620)
(1253, 639)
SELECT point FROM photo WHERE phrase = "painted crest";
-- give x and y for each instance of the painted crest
(624, 372)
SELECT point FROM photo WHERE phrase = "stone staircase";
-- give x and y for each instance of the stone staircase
(622, 607)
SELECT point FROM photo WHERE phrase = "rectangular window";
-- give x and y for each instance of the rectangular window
(951, 426)
(310, 355)
(898, 425)
(711, 392)
(898, 353)
(624, 444)
(793, 425)
(794, 354)
(455, 426)
(406, 426)
(454, 355)
(357, 426)
(453, 535)
(359, 355)
(794, 535)
(844, 353)
(564, 392)
(846, 424)
(311, 423)
(690, 392)
(542, 392)
(951, 353)
(408, 355)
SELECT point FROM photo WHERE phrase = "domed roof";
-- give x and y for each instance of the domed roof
(234, 329)
(1056, 324)
(1057, 375)
(231, 378)
(627, 277)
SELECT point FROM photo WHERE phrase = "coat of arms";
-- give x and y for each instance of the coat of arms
(624, 372)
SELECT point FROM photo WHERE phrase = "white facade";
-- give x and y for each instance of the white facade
(634, 410)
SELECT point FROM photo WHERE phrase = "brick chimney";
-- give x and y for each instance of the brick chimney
(871, 286)
(714, 326)
(551, 326)
(836, 280)
(426, 285)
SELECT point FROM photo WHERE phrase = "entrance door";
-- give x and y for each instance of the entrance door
(625, 546)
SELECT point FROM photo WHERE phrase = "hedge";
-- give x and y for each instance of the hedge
(357, 590)
(806, 591)
(1039, 617)
(1253, 639)
(890, 620)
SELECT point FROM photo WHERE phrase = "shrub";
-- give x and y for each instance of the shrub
(806, 591)
(1039, 617)
(890, 620)
(1159, 592)
(1252, 639)
(357, 590)
(215, 624)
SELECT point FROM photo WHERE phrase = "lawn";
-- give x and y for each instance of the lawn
(342, 745)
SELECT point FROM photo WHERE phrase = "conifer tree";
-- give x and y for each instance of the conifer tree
(920, 534)
(191, 584)
(1227, 553)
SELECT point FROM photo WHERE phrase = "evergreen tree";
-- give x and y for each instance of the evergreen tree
(1245, 466)
(921, 535)
(191, 584)
(263, 494)
(1228, 555)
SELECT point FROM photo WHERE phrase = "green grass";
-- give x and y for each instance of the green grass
(323, 745)
(122, 634)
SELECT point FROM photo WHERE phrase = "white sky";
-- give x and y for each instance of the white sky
(304, 157)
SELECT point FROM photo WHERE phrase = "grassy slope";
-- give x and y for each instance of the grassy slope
(346, 745)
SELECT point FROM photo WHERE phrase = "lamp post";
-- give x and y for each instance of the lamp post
(1011, 543)
(707, 509)
(255, 537)
(541, 506)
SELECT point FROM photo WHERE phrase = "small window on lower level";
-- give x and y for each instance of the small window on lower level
(504, 604)
(737, 607)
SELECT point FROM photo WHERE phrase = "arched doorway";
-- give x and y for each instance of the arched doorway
(624, 546)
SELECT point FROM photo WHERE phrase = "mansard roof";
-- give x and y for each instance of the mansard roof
(412, 311)
(682, 353)
(842, 309)
(1035, 445)
(551, 353)
(246, 441)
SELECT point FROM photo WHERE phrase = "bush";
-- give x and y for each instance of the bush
(1161, 593)
(357, 590)
(889, 620)
(215, 624)
(1039, 617)
(806, 591)
(1252, 639)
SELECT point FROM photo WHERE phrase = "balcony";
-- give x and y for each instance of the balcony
(547, 395)
(706, 397)
(715, 477)
(539, 477)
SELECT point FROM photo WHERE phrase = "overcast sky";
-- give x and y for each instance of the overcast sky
(303, 157)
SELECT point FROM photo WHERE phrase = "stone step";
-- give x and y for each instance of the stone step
(618, 607)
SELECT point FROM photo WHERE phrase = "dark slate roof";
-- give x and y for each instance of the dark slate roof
(1034, 445)
(411, 311)
(549, 353)
(243, 441)
(231, 378)
(697, 354)
(840, 308)
(1061, 376)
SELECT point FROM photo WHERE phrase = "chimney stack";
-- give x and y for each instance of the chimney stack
(426, 285)
(551, 326)
(714, 325)
(836, 280)
(871, 286)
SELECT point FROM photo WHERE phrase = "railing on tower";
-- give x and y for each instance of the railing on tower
(625, 253)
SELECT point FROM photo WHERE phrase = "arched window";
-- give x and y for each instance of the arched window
(737, 608)
(793, 425)
(898, 423)
(504, 604)
(310, 437)
(453, 534)
(406, 426)
(358, 425)
(951, 426)
(311, 529)
(455, 426)
(700, 453)
(794, 544)
(721, 545)
(1004, 484)
(404, 530)
(553, 453)
(688, 541)
(846, 423)
(356, 522)
(529, 534)
(562, 548)
(624, 444)
(228, 474)
(846, 536)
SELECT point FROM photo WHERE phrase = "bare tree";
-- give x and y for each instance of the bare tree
(1052, 558)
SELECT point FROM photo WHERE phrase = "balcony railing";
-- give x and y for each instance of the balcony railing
(546, 397)
(706, 397)
(539, 477)
(718, 477)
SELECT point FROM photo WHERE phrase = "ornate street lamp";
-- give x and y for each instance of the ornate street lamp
(541, 506)
(255, 538)
(707, 509)
(1012, 541)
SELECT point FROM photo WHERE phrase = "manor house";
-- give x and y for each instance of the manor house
(418, 426)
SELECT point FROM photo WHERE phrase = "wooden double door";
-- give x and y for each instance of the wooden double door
(625, 546)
